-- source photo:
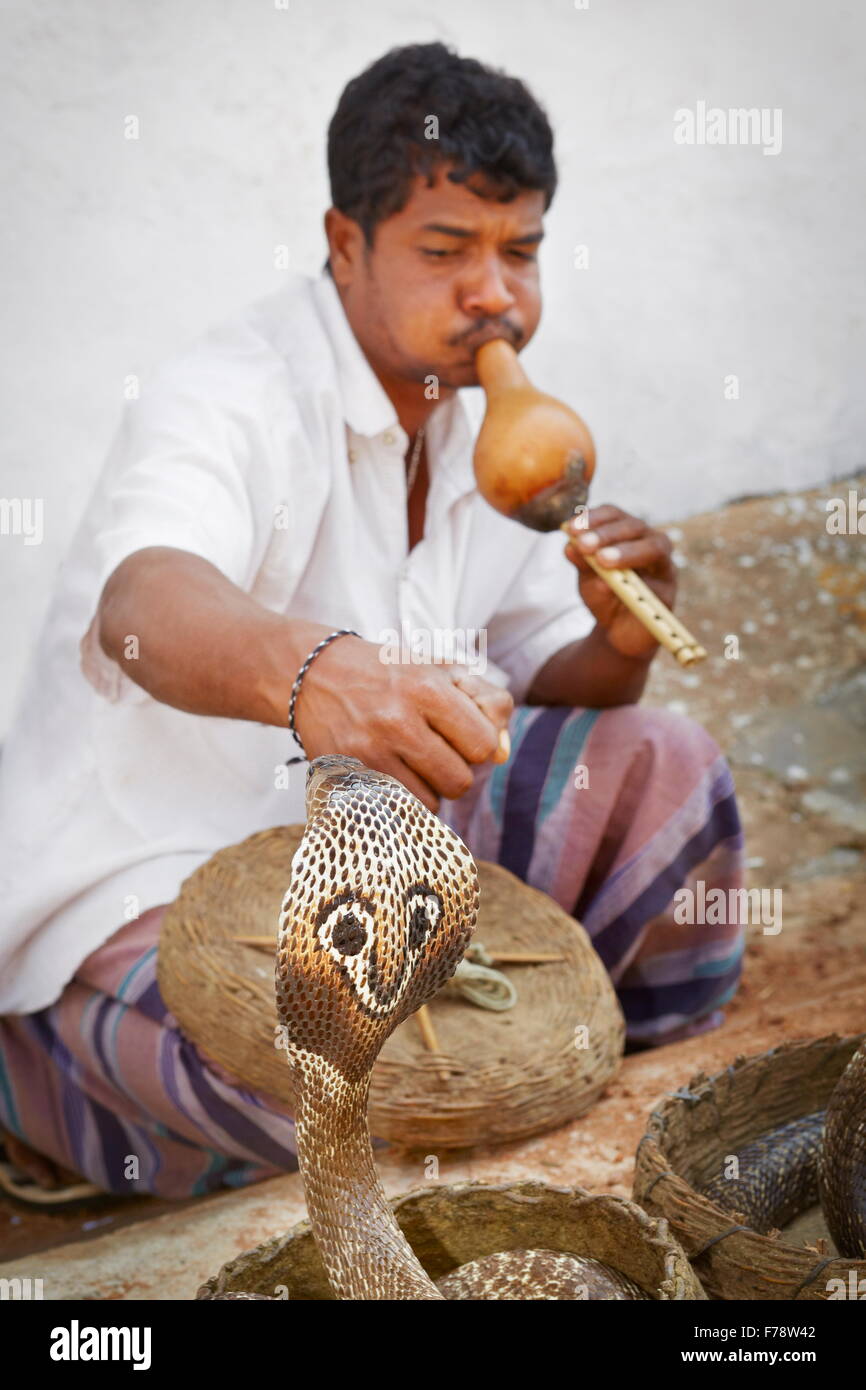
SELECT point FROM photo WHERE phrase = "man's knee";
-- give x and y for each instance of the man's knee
(667, 734)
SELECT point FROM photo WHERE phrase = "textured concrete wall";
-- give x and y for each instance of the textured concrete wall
(704, 262)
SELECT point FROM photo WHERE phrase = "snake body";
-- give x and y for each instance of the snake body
(381, 905)
(842, 1159)
(821, 1156)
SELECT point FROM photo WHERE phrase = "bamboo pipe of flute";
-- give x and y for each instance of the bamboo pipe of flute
(646, 606)
(534, 459)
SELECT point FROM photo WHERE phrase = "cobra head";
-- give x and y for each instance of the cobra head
(381, 905)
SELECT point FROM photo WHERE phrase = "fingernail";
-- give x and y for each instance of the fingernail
(611, 553)
(588, 539)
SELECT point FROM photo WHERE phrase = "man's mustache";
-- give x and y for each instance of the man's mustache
(482, 332)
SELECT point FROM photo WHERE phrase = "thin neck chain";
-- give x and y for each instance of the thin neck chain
(414, 461)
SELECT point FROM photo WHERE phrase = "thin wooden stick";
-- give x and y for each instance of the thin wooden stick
(428, 1033)
(523, 957)
(425, 1022)
(506, 957)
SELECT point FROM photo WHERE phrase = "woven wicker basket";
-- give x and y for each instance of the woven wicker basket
(686, 1142)
(509, 1075)
(449, 1226)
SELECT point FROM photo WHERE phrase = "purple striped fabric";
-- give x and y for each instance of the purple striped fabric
(617, 811)
(611, 813)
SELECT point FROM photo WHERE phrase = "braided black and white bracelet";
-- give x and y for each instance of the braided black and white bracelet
(332, 636)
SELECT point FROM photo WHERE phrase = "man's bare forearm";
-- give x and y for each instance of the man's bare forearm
(590, 673)
(202, 644)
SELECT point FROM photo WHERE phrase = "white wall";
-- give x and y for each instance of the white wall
(704, 261)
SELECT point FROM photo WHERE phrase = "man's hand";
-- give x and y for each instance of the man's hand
(620, 541)
(412, 721)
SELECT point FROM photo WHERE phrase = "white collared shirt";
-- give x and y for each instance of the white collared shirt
(270, 448)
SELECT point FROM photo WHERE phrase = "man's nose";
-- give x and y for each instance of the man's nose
(485, 293)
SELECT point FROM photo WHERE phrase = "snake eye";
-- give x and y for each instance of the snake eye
(424, 908)
(349, 935)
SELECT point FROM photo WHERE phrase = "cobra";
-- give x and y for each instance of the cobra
(819, 1157)
(381, 905)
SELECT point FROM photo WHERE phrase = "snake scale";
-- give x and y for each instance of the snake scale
(381, 905)
(820, 1157)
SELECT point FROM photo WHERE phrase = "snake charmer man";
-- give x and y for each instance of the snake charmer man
(299, 470)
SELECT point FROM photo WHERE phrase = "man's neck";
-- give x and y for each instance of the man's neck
(408, 399)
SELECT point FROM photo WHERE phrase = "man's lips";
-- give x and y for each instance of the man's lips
(487, 335)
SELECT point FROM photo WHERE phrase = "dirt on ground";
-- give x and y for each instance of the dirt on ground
(779, 601)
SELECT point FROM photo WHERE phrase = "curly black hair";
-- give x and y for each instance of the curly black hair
(488, 123)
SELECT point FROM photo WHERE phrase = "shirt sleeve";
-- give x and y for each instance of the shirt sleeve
(540, 613)
(177, 475)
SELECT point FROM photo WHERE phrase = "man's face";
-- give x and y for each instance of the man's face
(447, 273)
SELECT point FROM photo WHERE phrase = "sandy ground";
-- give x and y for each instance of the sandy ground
(787, 702)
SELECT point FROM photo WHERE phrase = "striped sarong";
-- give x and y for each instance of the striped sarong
(610, 812)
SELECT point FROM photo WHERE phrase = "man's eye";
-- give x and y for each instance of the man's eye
(428, 251)
(524, 255)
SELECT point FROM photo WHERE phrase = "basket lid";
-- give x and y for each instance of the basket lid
(499, 1076)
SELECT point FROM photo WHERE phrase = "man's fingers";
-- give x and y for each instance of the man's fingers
(597, 516)
(455, 715)
(646, 553)
(575, 555)
(397, 767)
(626, 528)
(497, 704)
(492, 700)
(434, 760)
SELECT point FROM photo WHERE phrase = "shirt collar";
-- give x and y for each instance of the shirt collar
(369, 410)
(367, 407)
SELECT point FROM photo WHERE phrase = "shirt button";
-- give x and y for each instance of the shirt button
(388, 437)
(353, 454)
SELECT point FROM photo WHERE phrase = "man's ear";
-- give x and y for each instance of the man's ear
(345, 244)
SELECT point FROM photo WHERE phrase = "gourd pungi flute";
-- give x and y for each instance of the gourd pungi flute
(534, 459)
